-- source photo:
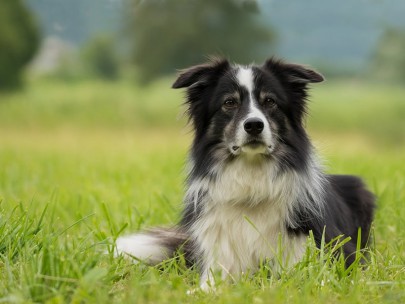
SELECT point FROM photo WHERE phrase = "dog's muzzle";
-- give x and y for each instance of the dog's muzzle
(253, 138)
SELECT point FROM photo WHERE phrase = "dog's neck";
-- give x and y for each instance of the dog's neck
(251, 183)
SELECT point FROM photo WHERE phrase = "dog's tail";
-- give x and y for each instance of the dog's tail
(152, 246)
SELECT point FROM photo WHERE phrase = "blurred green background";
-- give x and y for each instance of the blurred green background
(90, 127)
(109, 63)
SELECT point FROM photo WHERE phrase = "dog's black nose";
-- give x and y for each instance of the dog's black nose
(253, 126)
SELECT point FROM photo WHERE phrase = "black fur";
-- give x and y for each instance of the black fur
(350, 207)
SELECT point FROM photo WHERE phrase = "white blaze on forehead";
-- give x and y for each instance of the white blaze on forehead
(245, 78)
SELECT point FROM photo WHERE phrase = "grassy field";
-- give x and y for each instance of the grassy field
(82, 163)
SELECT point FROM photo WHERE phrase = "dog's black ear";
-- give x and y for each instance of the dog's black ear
(201, 74)
(295, 78)
(293, 73)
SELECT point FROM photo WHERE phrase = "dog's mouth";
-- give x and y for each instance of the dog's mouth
(253, 146)
(254, 143)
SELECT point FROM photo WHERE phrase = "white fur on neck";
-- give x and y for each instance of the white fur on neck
(251, 182)
(246, 210)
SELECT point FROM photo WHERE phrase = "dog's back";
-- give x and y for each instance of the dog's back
(360, 202)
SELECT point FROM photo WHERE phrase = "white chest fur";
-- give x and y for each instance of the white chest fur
(244, 217)
(236, 241)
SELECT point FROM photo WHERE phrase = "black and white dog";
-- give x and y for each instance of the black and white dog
(255, 186)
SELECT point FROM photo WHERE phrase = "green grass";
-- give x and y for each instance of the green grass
(83, 163)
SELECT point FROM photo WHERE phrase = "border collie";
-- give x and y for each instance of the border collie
(255, 186)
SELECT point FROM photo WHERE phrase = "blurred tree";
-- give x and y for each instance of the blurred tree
(19, 40)
(173, 34)
(101, 58)
(389, 59)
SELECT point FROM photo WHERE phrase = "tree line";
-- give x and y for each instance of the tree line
(161, 36)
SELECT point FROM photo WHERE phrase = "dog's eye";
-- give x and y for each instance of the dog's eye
(230, 103)
(268, 100)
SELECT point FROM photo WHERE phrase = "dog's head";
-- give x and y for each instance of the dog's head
(251, 111)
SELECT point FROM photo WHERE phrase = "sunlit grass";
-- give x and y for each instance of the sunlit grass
(81, 164)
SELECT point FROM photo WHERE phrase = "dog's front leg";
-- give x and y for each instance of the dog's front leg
(207, 280)
(214, 269)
